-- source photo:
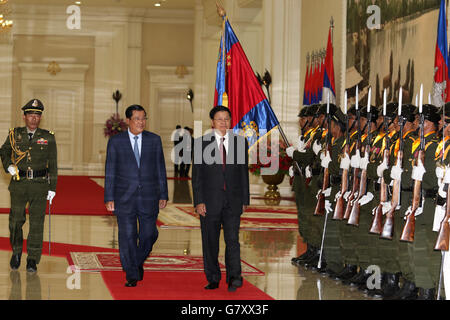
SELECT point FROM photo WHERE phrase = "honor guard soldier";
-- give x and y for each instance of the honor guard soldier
(29, 155)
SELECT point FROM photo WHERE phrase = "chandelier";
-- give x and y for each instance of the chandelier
(5, 23)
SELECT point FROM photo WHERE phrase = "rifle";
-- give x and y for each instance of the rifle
(356, 210)
(339, 208)
(410, 224)
(355, 185)
(377, 222)
(320, 207)
(442, 242)
(388, 227)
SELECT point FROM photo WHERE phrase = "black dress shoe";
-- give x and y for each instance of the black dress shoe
(427, 294)
(389, 284)
(358, 279)
(348, 272)
(131, 283)
(15, 261)
(212, 286)
(234, 283)
(407, 292)
(31, 266)
(141, 272)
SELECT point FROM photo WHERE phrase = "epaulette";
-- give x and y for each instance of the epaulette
(51, 132)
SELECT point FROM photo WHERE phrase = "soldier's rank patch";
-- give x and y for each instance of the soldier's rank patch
(42, 141)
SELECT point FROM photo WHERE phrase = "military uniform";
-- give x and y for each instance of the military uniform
(35, 175)
(426, 261)
(400, 255)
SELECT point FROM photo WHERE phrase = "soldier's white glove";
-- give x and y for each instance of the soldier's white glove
(326, 160)
(364, 162)
(386, 207)
(12, 170)
(345, 162)
(328, 207)
(418, 211)
(291, 171)
(301, 147)
(346, 195)
(440, 172)
(418, 171)
(308, 172)
(447, 175)
(396, 173)
(439, 214)
(380, 169)
(50, 196)
(356, 159)
(366, 199)
(327, 192)
(337, 196)
(316, 147)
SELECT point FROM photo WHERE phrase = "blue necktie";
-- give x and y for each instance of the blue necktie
(136, 151)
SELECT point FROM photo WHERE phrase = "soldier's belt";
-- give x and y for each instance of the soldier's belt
(430, 193)
(31, 174)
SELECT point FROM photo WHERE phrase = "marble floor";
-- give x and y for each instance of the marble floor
(268, 251)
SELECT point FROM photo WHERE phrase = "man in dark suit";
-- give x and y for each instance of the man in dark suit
(135, 190)
(220, 186)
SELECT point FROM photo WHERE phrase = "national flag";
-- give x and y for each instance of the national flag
(441, 71)
(328, 76)
(305, 90)
(238, 89)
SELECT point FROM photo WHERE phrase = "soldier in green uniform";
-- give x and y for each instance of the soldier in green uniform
(332, 246)
(29, 155)
(377, 246)
(298, 184)
(361, 233)
(402, 256)
(425, 260)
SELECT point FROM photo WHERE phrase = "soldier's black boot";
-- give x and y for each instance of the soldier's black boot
(348, 272)
(312, 261)
(31, 266)
(15, 261)
(305, 256)
(427, 294)
(358, 279)
(389, 284)
(407, 292)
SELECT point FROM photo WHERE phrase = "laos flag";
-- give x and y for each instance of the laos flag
(441, 72)
(238, 89)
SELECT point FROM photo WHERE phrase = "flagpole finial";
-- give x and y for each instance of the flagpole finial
(220, 10)
(332, 22)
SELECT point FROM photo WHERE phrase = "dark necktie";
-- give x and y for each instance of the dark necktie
(223, 153)
(30, 136)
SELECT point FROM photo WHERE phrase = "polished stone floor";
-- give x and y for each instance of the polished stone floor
(268, 251)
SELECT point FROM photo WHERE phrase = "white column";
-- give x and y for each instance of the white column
(134, 62)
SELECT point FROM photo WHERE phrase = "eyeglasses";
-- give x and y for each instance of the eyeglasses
(139, 119)
(222, 120)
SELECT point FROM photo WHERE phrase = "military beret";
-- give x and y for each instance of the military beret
(33, 106)
(303, 112)
(430, 113)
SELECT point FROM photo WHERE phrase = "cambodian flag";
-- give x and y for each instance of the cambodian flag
(238, 89)
(441, 72)
(328, 76)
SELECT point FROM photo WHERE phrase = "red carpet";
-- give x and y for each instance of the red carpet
(77, 195)
(177, 286)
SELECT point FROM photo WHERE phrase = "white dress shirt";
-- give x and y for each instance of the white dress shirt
(219, 138)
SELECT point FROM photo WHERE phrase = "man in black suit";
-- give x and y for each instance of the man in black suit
(220, 186)
(135, 190)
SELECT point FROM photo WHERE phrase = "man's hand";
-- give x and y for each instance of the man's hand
(110, 206)
(201, 209)
(162, 204)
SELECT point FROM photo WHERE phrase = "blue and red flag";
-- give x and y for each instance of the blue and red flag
(328, 75)
(238, 89)
(441, 70)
